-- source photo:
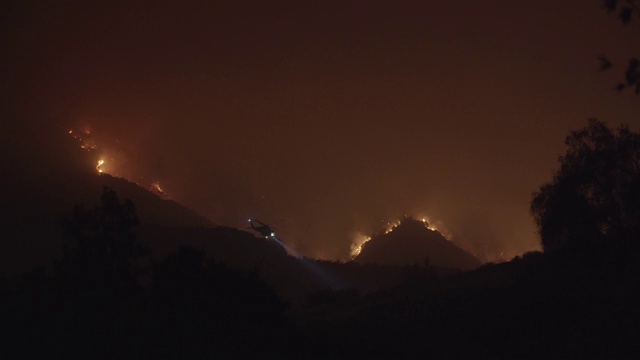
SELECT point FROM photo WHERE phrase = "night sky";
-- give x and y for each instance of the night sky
(330, 115)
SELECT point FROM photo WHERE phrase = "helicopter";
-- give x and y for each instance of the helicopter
(264, 229)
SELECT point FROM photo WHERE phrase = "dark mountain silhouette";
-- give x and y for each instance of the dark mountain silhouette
(31, 196)
(211, 290)
(411, 242)
(294, 277)
(40, 190)
(34, 202)
(37, 200)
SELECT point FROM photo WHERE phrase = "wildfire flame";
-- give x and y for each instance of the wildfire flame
(436, 226)
(359, 239)
(84, 138)
(428, 225)
(156, 188)
(107, 162)
(357, 244)
(99, 166)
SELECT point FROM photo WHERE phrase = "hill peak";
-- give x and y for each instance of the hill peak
(413, 241)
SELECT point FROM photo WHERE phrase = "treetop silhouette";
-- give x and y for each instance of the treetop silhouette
(594, 197)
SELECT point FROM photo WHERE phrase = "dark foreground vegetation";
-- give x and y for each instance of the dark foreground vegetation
(107, 298)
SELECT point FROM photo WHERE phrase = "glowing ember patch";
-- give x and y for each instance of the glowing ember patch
(156, 188)
(437, 226)
(99, 166)
(391, 226)
(428, 225)
(84, 138)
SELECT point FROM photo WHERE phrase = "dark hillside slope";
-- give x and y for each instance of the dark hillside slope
(293, 277)
(534, 307)
(34, 202)
(37, 199)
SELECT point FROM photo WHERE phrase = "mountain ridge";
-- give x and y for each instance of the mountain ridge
(412, 242)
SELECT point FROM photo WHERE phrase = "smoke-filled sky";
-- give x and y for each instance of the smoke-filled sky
(331, 115)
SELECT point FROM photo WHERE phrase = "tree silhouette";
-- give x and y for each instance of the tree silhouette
(625, 10)
(102, 302)
(101, 246)
(97, 280)
(594, 198)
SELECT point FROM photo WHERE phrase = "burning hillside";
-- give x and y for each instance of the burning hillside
(359, 239)
(411, 241)
(109, 161)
